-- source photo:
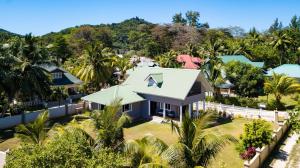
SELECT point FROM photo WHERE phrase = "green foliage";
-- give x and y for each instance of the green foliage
(109, 123)
(247, 80)
(194, 146)
(256, 134)
(72, 148)
(237, 101)
(281, 85)
(294, 120)
(35, 132)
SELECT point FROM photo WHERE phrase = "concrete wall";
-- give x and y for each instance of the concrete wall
(54, 112)
(263, 153)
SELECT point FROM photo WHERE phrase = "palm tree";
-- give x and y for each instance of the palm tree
(281, 42)
(110, 123)
(281, 85)
(33, 79)
(199, 146)
(168, 60)
(97, 66)
(146, 151)
(35, 132)
(123, 64)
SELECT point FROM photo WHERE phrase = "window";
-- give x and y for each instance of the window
(127, 107)
(168, 106)
(56, 75)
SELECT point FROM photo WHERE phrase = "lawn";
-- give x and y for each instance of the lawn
(163, 131)
(228, 157)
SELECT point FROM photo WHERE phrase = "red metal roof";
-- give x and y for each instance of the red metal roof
(189, 61)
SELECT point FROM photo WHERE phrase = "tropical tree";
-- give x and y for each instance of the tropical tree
(35, 132)
(32, 78)
(122, 65)
(280, 85)
(97, 65)
(281, 41)
(168, 60)
(146, 152)
(179, 19)
(199, 146)
(109, 123)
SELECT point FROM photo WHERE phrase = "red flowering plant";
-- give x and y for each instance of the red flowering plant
(248, 154)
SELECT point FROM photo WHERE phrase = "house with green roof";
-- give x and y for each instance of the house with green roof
(149, 91)
(241, 58)
(291, 70)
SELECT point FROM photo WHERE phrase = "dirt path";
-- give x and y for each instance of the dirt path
(285, 153)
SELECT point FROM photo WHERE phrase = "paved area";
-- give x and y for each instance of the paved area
(281, 158)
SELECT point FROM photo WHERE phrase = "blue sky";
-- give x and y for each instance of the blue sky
(43, 16)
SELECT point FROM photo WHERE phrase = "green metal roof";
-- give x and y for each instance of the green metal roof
(108, 95)
(176, 82)
(291, 70)
(241, 58)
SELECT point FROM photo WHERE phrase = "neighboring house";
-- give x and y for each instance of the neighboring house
(189, 62)
(291, 70)
(155, 91)
(61, 77)
(143, 61)
(226, 88)
(241, 58)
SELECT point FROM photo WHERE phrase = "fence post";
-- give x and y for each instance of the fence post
(66, 109)
(23, 120)
(258, 151)
(259, 115)
(246, 111)
(276, 116)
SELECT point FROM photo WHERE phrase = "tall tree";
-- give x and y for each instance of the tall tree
(32, 78)
(178, 18)
(276, 26)
(97, 65)
(192, 18)
(281, 41)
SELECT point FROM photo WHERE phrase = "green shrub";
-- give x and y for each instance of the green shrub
(256, 134)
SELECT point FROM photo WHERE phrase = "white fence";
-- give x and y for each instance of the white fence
(263, 153)
(247, 112)
(2, 158)
(54, 112)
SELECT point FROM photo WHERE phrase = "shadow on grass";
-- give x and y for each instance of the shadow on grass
(136, 123)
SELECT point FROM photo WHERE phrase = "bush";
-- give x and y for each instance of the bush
(67, 149)
(256, 134)
(237, 101)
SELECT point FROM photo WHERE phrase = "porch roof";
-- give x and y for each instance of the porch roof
(106, 96)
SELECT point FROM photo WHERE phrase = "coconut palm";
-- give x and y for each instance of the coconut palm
(109, 123)
(281, 42)
(281, 85)
(33, 79)
(146, 151)
(97, 66)
(35, 132)
(168, 60)
(198, 146)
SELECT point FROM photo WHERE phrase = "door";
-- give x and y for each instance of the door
(153, 106)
